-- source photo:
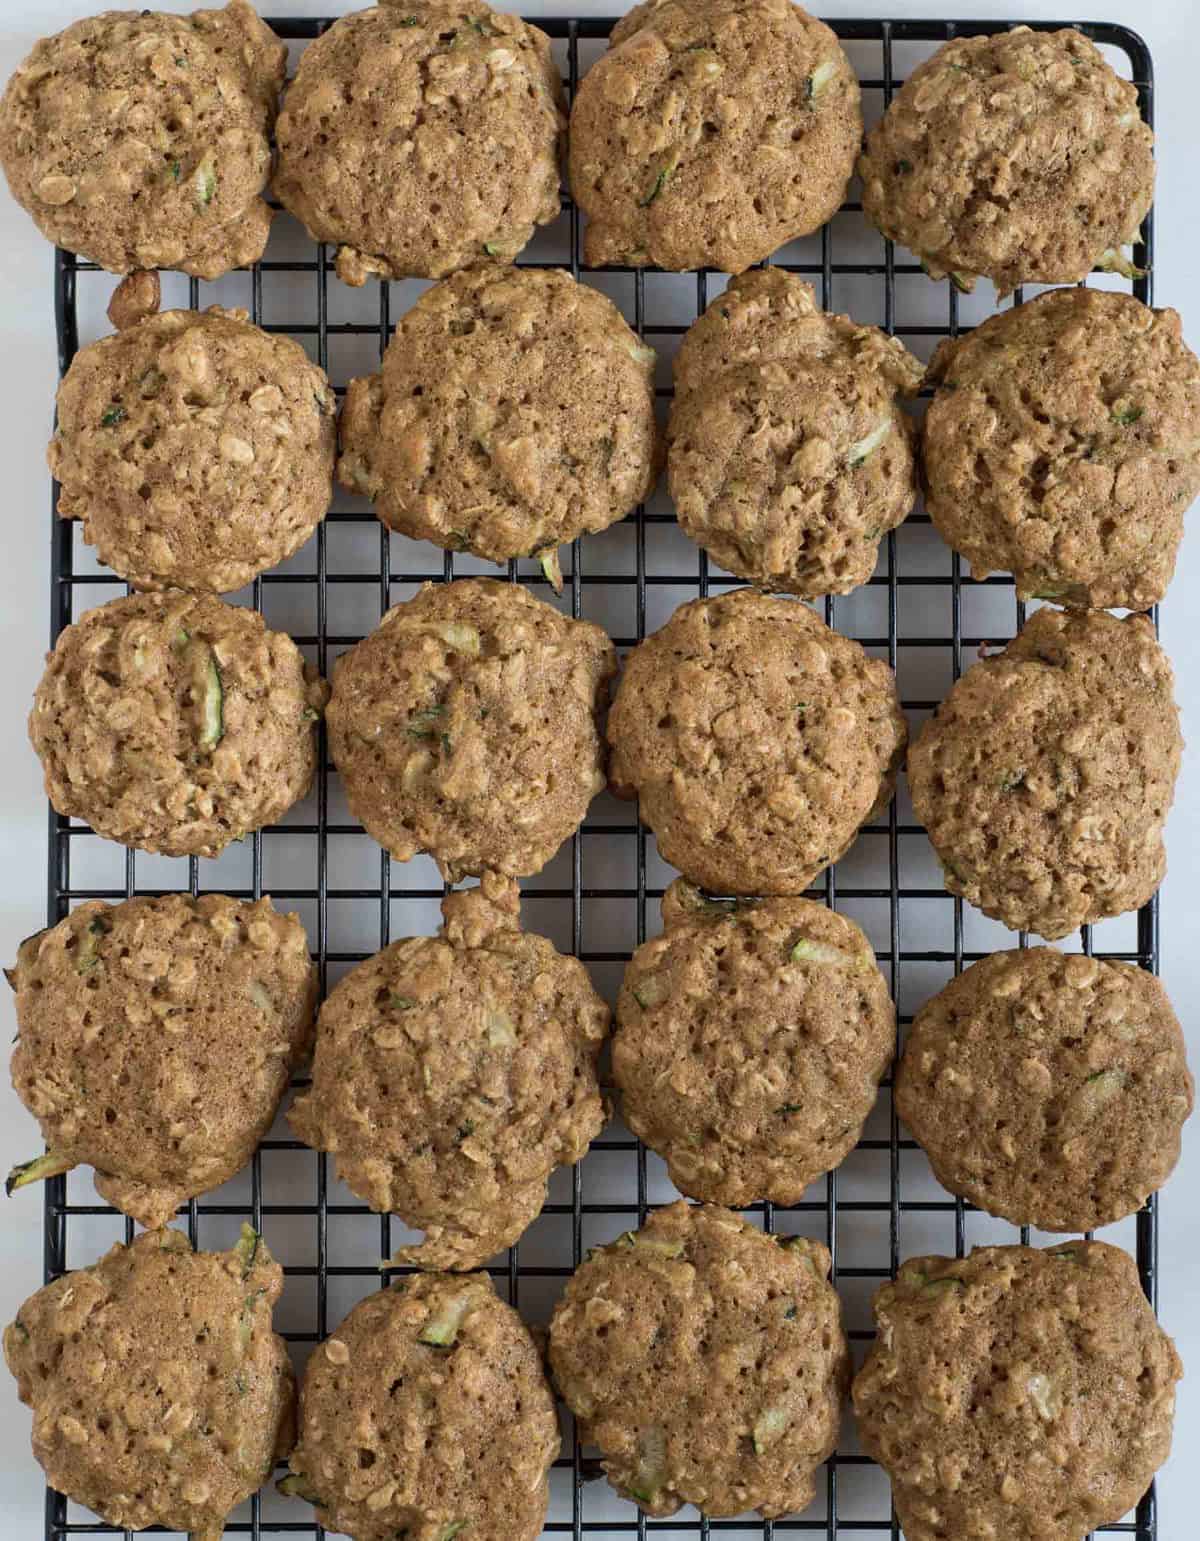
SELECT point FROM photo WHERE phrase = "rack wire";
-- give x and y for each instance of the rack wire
(604, 886)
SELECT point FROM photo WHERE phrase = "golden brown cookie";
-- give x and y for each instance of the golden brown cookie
(706, 1360)
(1015, 1393)
(1049, 1090)
(160, 1394)
(427, 1414)
(141, 140)
(1045, 776)
(422, 137)
(175, 723)
(1019, 157)
(758, 741)
(711, 133)
(1063, 445)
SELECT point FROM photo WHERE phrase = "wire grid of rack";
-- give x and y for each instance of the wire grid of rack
(568, 892)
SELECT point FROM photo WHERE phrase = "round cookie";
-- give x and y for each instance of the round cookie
(454, 1073)
(1049, 1090)
(175, 724)
(197, 449)
(790, 457)
(711, 133)
(1020, 157)
(141, 140)
(155, 1042)
(131, 1367)
(750, 1045)
(514, 410)
(465, 726)
(1017, 1393)
(427, 1413)
(1063, 445)
(1045, 776)
(706, 1360)
(422, 137)
(758, 741)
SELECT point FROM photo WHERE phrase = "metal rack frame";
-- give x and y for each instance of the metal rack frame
(831, 1210)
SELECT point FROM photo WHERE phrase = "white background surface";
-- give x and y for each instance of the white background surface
(27, 381)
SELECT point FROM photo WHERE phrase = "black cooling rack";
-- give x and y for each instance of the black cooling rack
(896, 626)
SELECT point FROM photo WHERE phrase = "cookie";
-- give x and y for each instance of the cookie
(160, 1394)
(751, 1040)
(175, 723)
(1017, 1393)
(454, 1073)
(427, 1413)
(1063, 445)
(758, 741)
(514, 410)
(141, 140)
(1045, 776)
(197, 450)
(706, 1360)
(465, 726)
(1049, 1090)
(712, 133)
(422, 137)
(790, 457)
(1020, 157)
(155, 1042)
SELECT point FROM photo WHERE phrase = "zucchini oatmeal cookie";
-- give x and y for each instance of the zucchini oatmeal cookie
(751, 1041)
(513, 411)
(175, 723)
(155, 1042)
(1019, 157)
(427, 1413)
(790, 457)
(758, 741)
(711, 133)
(420, 138)
(197, 449)
(454, 1073)
(465, 725)
(1046, 775)
(141, 140)
(706, 1360)
(1049, 1090)
(1063, 445)
(160, 1394)
(1017, 1393)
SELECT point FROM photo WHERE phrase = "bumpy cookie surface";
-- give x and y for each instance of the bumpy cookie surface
(427, 1413)
(1045, 776)
(422, 137)
(140, 140)
(712, 133)
(175, 724)
(706, 1360)
(465, 726)
(160, 1394)
(790, 457)
(156, 1040)
(1020, 157)
(758, 741)
(197, 449)
(1017, 1393)
(751, 1042)
(453, 1073)
(1048, 1090)
(1063, 445)
(513, 411)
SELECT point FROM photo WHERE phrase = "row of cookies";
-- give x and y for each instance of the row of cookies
(1020, 1391)
(423, 136)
